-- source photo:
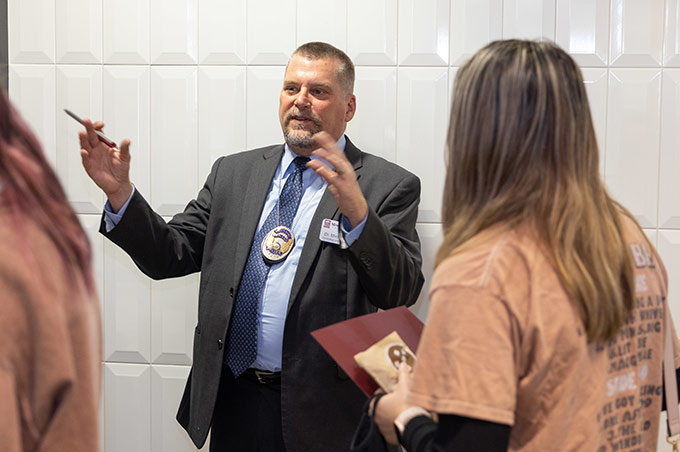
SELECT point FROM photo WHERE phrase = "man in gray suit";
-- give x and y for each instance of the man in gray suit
(341, 242)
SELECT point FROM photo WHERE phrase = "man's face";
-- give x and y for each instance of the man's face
(313, 100)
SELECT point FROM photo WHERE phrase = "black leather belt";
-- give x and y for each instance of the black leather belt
(263, 377)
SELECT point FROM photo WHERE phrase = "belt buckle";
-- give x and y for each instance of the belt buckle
(261, 375)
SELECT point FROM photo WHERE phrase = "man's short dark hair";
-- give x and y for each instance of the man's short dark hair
(323, 50)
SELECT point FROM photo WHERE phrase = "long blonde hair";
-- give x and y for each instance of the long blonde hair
(522, 148)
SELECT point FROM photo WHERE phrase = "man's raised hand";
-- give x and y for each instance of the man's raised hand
(109, 168)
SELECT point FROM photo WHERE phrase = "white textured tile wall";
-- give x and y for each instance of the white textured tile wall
(32, 87)
(126, 31)
(473, 24)
(221, 113)
(189, 81)
(221, 35)
(529, 19)
(374, 125)
(671, 42)
(633, 125)
(79, 31)
(173, 31)
(423, 32)
(322, 20)
(174, 137)
(31, 26)
(372, 32)
(582, 29)
(636, 37)
(167, 383)
(174, 308)
(270, 31)
(596, 88)
(79, 88)
(127, 407)
(422, 112)
(127, 309)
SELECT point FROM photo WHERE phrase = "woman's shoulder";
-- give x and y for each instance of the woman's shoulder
(31, 267)
(491, 260)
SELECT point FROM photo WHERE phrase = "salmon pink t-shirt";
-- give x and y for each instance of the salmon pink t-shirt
(503, 343)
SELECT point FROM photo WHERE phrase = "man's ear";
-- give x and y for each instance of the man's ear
(351, 107)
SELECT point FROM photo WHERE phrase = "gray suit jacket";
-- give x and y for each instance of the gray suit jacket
(382, 269)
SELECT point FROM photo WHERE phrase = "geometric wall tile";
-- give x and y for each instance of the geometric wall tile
(126, 31)
(79, 89)
(373, 128)
(174, 308)
(126, 114)
(330, 27)
(669, 250)
(222, 113)
(271, 31)
(32, 88)
(173, 31)
(430, 239)
(474, 23)
(127, 309)
(423, 32)
(90, 224)
(636, 37)
(167, 386)
(372, 32)
(222, 32)
(31, 31)
(671, 49)
(582, 29)
(262, 105)
(633, 122)
(421, 132)
(127, 407)
(669, 167)
(79, 31)
(595, 80)
(174, 137)
(529, 19)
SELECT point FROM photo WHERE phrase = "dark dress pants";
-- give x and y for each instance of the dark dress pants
(247, 416)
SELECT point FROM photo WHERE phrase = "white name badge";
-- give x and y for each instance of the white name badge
(329, 231)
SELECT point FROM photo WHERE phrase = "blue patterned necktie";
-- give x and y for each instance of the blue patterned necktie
(242, 344)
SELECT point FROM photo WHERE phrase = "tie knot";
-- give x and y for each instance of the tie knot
(301, 163)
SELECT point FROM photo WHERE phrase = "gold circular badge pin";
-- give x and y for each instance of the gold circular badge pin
(277, 244)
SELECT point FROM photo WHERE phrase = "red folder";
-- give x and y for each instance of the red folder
(345, 339)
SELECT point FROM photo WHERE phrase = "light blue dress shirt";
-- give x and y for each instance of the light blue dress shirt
(277, 287)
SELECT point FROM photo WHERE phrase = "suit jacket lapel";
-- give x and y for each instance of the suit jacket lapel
(253, 202)
(327, 209)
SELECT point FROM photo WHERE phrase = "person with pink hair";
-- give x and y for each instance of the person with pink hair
(50, 332)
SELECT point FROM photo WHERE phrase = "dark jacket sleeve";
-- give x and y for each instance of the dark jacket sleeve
(165, 250)
(422, 434)
(386, 256)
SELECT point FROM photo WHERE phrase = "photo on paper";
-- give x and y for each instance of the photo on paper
(381, 361)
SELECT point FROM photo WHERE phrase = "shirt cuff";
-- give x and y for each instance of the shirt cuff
(352, 234)
(111, 219)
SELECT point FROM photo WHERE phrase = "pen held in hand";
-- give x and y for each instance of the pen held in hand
(101, 136)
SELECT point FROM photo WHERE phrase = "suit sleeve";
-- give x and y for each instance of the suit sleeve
(386, 256)
(165, 250)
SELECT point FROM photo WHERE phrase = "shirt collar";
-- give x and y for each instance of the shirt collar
(289, 156)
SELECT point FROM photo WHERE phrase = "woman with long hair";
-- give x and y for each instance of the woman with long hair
(50, 346)
(545, 331)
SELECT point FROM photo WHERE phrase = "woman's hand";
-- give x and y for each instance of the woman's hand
(392, 404)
